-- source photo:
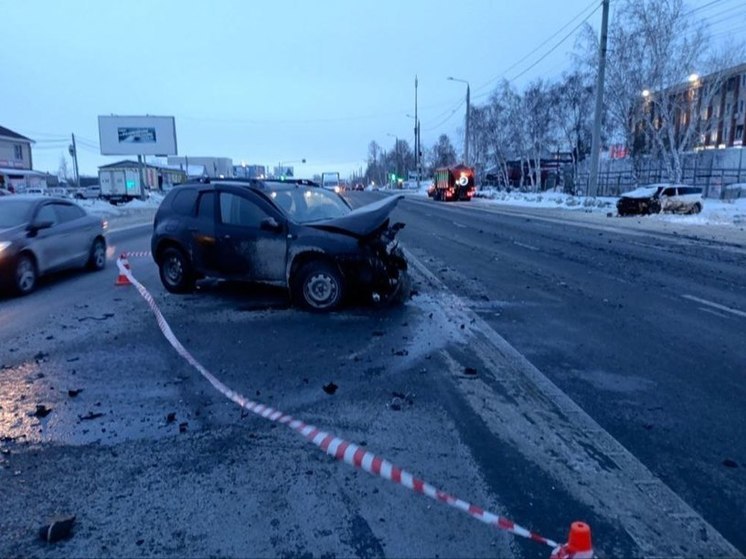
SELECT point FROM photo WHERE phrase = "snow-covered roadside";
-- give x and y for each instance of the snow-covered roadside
(714, 212)
(721, 222)
(123, 215)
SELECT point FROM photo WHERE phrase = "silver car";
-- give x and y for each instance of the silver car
(39, 235)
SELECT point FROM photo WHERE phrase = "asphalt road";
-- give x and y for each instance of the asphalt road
(644, 331)
(621, 415)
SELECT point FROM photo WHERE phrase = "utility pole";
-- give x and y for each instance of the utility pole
(74, 152)
(142, 174)
(596, 139)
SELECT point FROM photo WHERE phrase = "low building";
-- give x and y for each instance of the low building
(215, 167)
(250, 171)
(16, 162)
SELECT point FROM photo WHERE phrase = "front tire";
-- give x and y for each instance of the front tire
(26, 275)
(318, 287)
(696, 208)
(176, 271)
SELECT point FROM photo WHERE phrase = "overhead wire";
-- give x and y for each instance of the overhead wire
(556, 46)
(543, 43)
(722, 16)
(446, 119)
(708, 5)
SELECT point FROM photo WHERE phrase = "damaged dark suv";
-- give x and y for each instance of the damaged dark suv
(285, 233)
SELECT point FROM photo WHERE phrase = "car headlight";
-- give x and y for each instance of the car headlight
(4, 245)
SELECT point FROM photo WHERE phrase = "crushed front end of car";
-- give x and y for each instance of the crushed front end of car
(378, 267)
(385, 271)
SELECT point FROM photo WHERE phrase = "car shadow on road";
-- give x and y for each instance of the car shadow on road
(252, 297)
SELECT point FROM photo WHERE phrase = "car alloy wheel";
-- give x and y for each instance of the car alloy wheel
(25, 274)
(98, 255)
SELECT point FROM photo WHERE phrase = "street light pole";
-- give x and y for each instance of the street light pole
(466, 125)
(416, 137)
(596, 137)
(417, 147)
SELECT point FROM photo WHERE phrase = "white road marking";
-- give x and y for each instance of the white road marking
(715, 305)
(459, 225)
(710, 311)
(524, 245)
(556, 434)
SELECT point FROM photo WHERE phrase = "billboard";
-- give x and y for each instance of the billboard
(137, 135)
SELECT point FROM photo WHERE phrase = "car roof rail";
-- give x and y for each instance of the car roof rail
(251, 181)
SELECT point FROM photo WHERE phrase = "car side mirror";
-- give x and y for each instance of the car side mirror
(37, 226)
(270, 224)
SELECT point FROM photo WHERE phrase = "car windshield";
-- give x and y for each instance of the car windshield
(14, 212)
(306, 205)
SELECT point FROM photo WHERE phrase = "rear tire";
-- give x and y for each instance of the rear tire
(97, 257)
(696, 208)
(318, 287)
(176, 271)
(26, 274)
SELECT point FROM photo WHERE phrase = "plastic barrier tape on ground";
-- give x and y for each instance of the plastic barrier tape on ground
(138, 254)
(338, 448)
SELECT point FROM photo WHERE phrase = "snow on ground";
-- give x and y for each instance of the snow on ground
(714, 212)
(104, 208)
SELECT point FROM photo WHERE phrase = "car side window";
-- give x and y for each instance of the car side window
(236, 210)
(206, 206)
(184, 201)
(47, 213)
(669, 192)
(67, 212)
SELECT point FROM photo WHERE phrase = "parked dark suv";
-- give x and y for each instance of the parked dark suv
(285, 233)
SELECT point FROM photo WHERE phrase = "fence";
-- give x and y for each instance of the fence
(713, 181)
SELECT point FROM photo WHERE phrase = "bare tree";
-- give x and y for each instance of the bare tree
(442, 154)
(572, 107)
(677, 105)
(655, 46)
(504, 131)
(374, 171)
(479, 129)
(537, 120)
(63, 172)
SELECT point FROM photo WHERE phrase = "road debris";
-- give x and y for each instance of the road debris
(42, 411)
(58, 529)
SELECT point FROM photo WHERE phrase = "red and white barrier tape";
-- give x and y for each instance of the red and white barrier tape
(137, 254)
(334, 446)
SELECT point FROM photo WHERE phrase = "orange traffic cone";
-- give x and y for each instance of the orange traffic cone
(578, 545)
(121, 278)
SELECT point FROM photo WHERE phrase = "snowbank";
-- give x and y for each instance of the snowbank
(104, 208)
(715, 212)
